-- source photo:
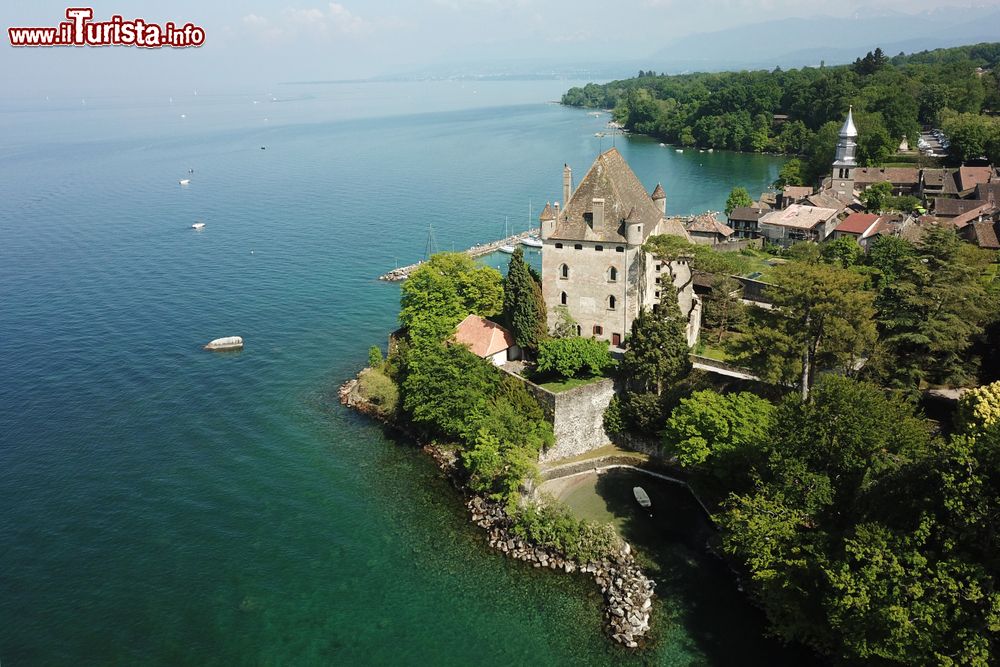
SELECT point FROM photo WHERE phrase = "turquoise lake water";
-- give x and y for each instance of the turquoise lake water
(162, 505)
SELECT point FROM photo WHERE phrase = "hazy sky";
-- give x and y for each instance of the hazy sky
(261, 42)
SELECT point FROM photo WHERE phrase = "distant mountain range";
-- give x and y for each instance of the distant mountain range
(792, 42)
(782, 42)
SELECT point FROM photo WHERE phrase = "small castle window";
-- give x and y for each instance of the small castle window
(620, 248)
(598, 330)
(563, 298)
(559, 245)
(579, 330)
(639, 228)
(612, 274)
(658, 280)
(578, 246)
(657, 295)
(659, 267)
(599, 248)
(564, 271)
(611, 302)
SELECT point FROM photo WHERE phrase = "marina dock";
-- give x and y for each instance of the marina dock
(403, 272)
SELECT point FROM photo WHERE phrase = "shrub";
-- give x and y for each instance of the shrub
(551, 525)
(379, 390)
(613, 420)
(375, 359)
(574, 357)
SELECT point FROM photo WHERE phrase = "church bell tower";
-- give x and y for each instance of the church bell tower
(846, 162)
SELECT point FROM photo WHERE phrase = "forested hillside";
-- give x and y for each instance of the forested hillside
(892, 98)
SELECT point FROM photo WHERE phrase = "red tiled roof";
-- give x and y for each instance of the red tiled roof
(856, 223)
(901, 175)
(986, 234)
(945, 207)
(971, 216)
(483, 337)
(970, 177)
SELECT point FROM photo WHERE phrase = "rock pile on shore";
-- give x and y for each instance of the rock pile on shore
(627, 592)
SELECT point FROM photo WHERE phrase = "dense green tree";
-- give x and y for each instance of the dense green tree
(723, 310)
(843, 252)
(443, 290)
(507, 436)
(823, 319)
(725, 432)
(445, 384)
(930, 313)
(790, 174)
(874, 197)
(827, 512)
(890, 256)
(573, 357)
(523, 305)
(738, 197)
(656, 349)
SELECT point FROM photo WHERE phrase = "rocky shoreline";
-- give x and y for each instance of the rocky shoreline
(628, 593)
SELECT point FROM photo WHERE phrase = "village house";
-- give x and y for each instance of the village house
(706, 230)
(744, 221)
(592, 257)
(793, 194)
(487, 340)
(858, 226)
(798, 223)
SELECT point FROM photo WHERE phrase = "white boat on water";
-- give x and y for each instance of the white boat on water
(198, 225)
(679, 150)
(184, 181)
(641, 497)
(506, 249)
(532, 242)
(227, 343)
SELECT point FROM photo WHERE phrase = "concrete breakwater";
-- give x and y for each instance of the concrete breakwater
(628, 593)
(478, 250)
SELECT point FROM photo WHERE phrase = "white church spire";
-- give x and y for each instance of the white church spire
(847, 146)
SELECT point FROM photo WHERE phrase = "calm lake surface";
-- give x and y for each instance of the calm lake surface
(165, 505)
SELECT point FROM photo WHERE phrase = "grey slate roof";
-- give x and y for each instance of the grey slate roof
(609, 178)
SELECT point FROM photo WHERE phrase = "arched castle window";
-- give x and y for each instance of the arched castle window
(611, 302)
(612, 274)
(563, 299)
(564, 271)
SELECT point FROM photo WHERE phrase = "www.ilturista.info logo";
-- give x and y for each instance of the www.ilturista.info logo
(80, 30)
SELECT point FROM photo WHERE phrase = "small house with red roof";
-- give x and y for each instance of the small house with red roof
(487, 340)
(858, 226)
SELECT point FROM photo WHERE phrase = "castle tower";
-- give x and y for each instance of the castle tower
(660, 198)
(845, 161)
(547, 221)
(633, 228)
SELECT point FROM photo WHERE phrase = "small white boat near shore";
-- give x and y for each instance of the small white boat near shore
(678, 150)
(532, 242)
(642, 497)
(506, 249)
(198, 225)
(184, 181)
(227, 343)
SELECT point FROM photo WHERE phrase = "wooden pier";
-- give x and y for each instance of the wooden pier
(403, 272)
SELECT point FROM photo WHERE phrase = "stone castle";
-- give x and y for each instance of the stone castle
(592, 257)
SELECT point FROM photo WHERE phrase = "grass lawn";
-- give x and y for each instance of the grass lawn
(704, 349)
(557, 386)
(759, 264)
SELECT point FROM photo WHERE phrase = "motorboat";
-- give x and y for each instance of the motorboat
(227, 343)
(198, 225)
(184, 181)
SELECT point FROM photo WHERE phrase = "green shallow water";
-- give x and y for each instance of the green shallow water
(163, 505)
